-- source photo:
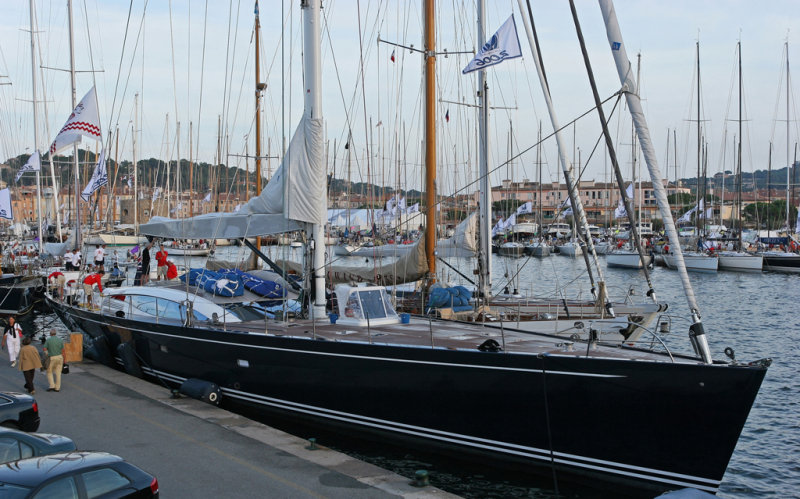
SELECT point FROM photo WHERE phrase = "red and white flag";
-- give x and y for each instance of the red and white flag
(83, 122)
(447, 116)
(392, 57)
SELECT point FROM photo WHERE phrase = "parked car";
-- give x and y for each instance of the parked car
(19, 410)
(15, 444)
(75, 475)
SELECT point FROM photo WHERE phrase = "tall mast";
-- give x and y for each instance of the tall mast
(637, 173)
(739, 152)
(113, 200)
(259, 87)
(36, 126)
(696, 330)
(699, 140)
(485, 217)
(788, 164)
(135, 167)
(312, 66)
(539, 167)
(191, 174)
(76, 179)
(430, 138)
(178, 192)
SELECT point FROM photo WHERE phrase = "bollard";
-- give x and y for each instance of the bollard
(421, 479)
(312, 444)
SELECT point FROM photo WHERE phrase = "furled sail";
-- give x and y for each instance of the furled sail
(296, 193)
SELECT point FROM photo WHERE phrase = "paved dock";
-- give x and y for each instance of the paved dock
(195, 449)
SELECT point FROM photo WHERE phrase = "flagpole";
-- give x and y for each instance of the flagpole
(36, 127)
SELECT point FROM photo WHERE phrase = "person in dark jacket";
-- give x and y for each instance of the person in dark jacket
(29, 362)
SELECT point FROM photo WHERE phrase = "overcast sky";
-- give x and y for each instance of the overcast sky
(169, 80)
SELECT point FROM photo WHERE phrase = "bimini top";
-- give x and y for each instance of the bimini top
(142, 302)
(365, 305)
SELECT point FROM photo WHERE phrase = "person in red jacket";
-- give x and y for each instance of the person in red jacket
(161, 258)
(88, 285)
(56, 280)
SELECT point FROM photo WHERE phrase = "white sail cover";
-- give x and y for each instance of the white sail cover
(296, 193)
(83, 122)
(410, 267)
(464, 242)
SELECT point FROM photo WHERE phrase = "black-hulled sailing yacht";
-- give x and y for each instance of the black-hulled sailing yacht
(658, 420)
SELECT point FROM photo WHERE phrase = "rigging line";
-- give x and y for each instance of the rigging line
(121, 58)
(227, 62)
(172, 49)
(233, 58)
(519, 154)
(202, 75)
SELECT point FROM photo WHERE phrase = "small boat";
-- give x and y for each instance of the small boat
(571, 248)
(697, 262)
(188, 251)
(538, 249)
(781, 261)
(627, 259)
(511, 248)
(740, 261)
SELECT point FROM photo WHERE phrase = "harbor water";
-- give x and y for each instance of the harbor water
(755, 314)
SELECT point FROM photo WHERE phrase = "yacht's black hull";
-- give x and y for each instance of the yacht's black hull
(19, 294)
(653, 425)
(782, 263)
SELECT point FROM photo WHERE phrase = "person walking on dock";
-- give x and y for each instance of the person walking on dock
(53, 348)
(29, 362)
(12, 335)
(88, 286)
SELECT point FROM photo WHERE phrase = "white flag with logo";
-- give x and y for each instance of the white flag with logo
(5, 205)
(511, 222)
(497, 227)
(33, 164)
(502, 46)
(413, 209)
(83, 122)
(99, 177)
(180, 205)
(156, 193)
(207, 199)
(621, 212)
(525, 208)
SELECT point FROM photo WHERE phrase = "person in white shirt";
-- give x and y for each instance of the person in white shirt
(99, 256)
(68, 260)
(76, 259)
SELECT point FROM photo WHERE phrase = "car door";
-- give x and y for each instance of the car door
(60, 488)
(106, 483)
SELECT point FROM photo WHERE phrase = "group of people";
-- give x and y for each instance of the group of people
(163, 265)
(26, 357)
